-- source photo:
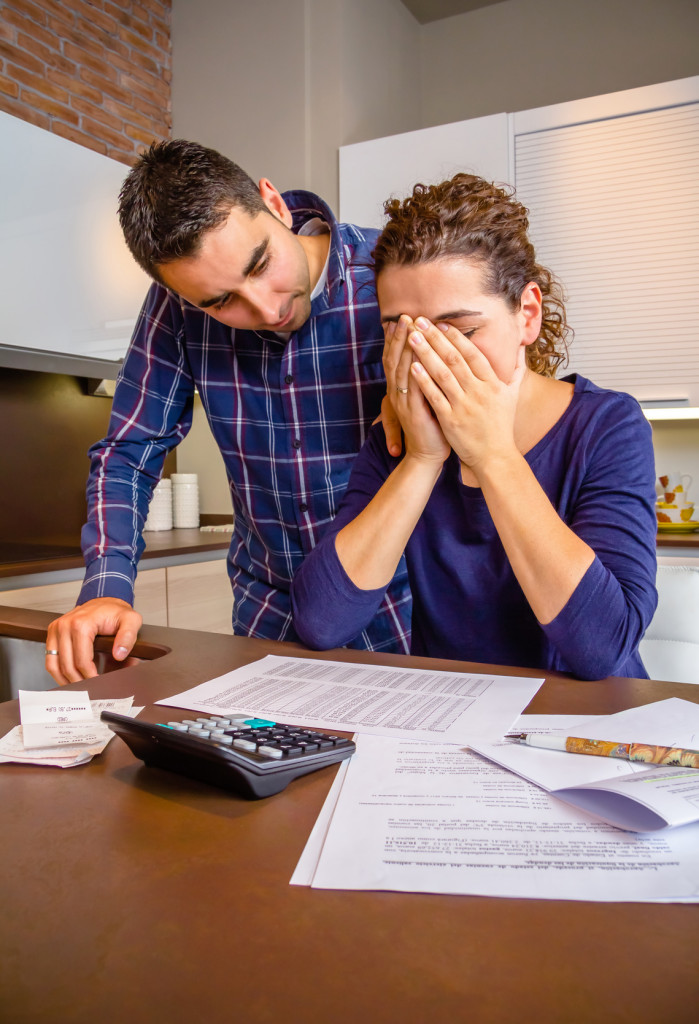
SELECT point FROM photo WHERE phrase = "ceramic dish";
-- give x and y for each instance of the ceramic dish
(688, 527)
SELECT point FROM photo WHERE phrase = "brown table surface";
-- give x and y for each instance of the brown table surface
(129, 894)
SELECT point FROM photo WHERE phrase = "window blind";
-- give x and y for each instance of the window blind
(614, 213)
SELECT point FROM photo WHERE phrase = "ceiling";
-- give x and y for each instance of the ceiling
(433, 10)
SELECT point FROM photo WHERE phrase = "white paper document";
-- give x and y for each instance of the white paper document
(424, 817)
(375, 699)
(628, 794)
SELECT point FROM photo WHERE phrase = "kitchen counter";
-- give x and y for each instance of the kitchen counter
(130, 893)
(30, 559)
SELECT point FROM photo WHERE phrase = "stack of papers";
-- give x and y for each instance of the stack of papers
(439, 818)
(61, 728)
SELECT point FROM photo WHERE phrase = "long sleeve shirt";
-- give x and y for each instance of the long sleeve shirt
(289, 417)
(596, 467)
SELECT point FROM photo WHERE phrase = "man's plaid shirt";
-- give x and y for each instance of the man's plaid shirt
(288, 416)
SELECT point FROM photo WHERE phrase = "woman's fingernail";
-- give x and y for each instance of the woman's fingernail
(417, 368)
(416, 339)
(443, 327)
(423, 323)
(389, 329)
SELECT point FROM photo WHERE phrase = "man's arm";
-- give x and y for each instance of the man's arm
(151, 413)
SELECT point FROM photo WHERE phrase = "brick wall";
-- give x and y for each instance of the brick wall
(94, 71)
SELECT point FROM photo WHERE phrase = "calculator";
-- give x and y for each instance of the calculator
(251, 756)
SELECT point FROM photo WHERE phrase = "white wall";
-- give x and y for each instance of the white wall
(530, 53)
(280, 85)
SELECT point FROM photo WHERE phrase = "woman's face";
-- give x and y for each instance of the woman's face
(451, 290)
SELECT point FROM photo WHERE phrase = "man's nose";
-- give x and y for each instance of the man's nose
(263, 304)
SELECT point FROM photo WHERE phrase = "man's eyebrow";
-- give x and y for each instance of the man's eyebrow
(255, 257)
(456, 314)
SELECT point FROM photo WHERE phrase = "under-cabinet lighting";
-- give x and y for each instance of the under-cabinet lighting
(685, 412)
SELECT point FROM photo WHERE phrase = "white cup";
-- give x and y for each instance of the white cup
(185, 500)
(674, 485)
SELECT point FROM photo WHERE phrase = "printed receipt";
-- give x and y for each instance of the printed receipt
(64, 728)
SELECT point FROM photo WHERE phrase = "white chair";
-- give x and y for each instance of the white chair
(670, 648)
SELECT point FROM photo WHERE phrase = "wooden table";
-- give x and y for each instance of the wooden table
(131, 895)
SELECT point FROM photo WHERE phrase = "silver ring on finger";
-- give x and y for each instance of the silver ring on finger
(53, 654)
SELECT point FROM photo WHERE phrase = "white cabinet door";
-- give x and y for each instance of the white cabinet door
(199, 596)
(67, 280)
(150, 597)
(372, 171)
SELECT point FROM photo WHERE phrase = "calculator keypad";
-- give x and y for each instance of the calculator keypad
(258, 736)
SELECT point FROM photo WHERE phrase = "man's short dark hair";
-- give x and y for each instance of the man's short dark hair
(176, 192)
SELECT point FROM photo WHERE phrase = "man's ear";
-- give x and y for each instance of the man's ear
(274, 202)
(530, 310)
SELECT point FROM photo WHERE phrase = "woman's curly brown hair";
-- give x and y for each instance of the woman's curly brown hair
(470, 218)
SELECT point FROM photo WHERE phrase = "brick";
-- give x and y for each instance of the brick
(151, 110)
(97, 113)
(135, 32)
(44, 53)
(61, 11)
(67, 132)
(26, 60)
(24, 112)
(101, 131)
(104, 85)
(141, 45)
(39, 35)
(136, 60)
(87, 12)
(126, 113)
(40, 83)
(162, 41)
(8, 87)
(129, 159)
(31, 10)
(74, 86)
(139, 135)
(7, 32)
(49, 106)
(155, 92)
(90, 57)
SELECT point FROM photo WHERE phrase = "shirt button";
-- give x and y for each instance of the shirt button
(296, 443)
(289, 379)
(303, 507)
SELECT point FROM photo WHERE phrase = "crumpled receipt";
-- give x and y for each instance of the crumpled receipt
(61, 728)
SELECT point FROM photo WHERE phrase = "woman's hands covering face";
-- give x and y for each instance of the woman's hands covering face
(424, 438)
(474, 408)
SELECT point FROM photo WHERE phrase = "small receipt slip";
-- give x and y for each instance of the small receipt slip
(56, 718)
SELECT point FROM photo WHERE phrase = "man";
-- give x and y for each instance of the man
(267, 306)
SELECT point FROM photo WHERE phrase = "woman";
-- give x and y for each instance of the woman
(524, 504)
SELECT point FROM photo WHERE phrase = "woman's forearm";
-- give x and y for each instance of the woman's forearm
(547, 557)
(370, 547)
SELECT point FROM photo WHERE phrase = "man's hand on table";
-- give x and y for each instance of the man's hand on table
(73, 637)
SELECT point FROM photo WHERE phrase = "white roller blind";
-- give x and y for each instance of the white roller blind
(614, 209)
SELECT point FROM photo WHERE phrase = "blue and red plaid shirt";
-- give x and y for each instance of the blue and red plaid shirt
(289, 418)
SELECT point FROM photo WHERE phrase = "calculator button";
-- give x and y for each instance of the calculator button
(245, 744)
(228, 740)
(270, 751)
(178, 726)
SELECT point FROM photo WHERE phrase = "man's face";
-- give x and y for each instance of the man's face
(251, 272)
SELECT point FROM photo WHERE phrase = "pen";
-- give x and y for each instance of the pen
(675, 756)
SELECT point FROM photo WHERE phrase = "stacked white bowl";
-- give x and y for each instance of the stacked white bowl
(185, 500)
(160, 508)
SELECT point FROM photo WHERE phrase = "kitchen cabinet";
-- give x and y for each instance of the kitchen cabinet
(199, 596)
(196, 595)
(69, 283)
(150, 596)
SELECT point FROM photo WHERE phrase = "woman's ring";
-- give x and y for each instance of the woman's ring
(54, 653)
(402, 391)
